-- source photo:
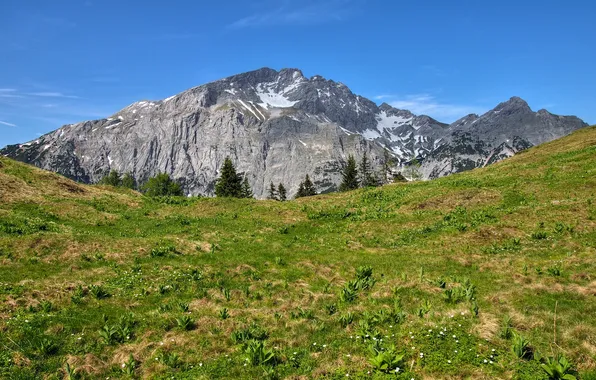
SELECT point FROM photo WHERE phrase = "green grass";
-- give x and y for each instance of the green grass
(108, 283)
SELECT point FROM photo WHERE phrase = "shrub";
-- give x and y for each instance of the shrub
(385, 360)
(253, 332)
(185, 322)
(162, 251)
(224, 314)
(521, 347)
(558, 367)
(258, 354)
(539, 235)
(346, 319)
(162, 185)
(98, 292)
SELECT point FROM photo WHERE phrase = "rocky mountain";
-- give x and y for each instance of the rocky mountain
(278, 126)
(476, 141)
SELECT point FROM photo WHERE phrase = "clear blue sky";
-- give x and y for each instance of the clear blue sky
(66, 61)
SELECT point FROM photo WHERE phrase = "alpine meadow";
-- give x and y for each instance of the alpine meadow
(488, 273)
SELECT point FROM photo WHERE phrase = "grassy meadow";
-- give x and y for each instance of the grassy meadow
(480, 275)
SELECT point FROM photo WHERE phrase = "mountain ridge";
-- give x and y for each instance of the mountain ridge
(278, 126)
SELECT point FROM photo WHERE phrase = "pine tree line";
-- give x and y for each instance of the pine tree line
(233, 185)
(362, 175)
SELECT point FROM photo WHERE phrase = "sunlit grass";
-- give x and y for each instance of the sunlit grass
(419, 280)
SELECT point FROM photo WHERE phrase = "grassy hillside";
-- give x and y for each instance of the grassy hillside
(107, 283)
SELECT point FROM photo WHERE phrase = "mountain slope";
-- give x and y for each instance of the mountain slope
(277, 127)
(92, 275)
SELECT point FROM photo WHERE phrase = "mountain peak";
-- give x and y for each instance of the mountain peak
(514, 103)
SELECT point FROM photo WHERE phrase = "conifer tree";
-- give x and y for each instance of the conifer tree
(309, 187)
(272, 192)
(128, 181)
(246, 190)
(281, 191)
(349, 175)
(229, 184)
(300, 192)
(367, 178)
(112, 179)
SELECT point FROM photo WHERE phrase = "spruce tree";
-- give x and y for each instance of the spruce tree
(112, 179)
(300, 192)
(229, 184)
(309, 187)
(272, 192)
(281, 191)
(246, 190)
(367, 178)
(128, 181)
(399, 178)
(349, 175)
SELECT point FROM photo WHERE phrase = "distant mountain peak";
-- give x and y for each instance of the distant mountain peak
(514, 103)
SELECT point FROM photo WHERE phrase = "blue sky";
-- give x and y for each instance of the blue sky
(67, 61)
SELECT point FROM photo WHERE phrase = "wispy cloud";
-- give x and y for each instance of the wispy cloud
(383, 96)
(7, 90)
(426, 104)
(290, 14)
(7, 123)
(53, 95)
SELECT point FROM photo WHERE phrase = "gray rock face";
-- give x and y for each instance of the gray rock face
(278, 126)
(476, 141)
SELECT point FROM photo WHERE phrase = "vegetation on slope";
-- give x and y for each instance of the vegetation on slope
(485, 274)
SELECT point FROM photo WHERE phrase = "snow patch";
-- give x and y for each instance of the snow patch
(276, 99)
(168, 99)
(120, 117)
(371, 134)
(346, 131)
(397, 150)
(258, 110)
(248, 108)
(303, 143)
(113, 125)
(110, 160)
(232, 91)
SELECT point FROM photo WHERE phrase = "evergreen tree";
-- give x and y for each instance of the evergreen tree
(281, 191)
(162, 185)
(229, 184)
(272, 192)
(349, 175)
(309, 187)
(367, 177)
(246, 190)
(112, 179)
(300, 192)
(399, 178)
(128, 181)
